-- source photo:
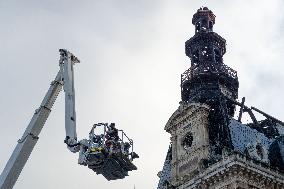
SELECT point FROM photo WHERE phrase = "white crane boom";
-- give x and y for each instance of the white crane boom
(110, 157)
(30, 137)
(66, 62)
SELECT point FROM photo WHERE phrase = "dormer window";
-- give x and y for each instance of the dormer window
(259, 150)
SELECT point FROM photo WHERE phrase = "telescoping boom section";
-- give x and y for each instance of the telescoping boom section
(107, 150)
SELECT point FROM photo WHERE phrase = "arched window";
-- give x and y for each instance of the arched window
(210, 25)
(195, 58)
(197, 27)
(218, 57)
(187, 141)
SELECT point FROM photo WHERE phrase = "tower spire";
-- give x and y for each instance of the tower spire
(209, 81)
(207, 74)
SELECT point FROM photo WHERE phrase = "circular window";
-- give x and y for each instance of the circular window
(187, 141)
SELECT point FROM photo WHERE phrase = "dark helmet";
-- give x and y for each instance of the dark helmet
(126, 145)
(112, 125)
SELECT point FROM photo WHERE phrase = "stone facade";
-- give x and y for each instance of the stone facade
(190, 142)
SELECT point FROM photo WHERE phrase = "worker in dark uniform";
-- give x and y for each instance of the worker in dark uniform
(126, 147)
(112, 133)
(112, 138)
(98, 139)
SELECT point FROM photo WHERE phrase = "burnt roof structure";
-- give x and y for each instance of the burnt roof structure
(205, 136)
(209, 80)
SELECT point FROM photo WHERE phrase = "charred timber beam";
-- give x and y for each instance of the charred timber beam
(268, 116)
(245, 109)
(254, 120)
(249, 110)
(241, 109)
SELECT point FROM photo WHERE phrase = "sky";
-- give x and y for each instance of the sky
(132, 55)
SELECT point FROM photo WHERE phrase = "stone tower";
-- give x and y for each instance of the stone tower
(209, 148)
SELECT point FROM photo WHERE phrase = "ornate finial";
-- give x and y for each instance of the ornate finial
(203, 19)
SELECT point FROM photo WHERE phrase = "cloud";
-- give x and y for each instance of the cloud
(132, 55)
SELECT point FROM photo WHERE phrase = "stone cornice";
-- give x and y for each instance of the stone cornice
(182, 111)
(239, 166)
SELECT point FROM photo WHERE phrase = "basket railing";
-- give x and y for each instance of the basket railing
(206, 69)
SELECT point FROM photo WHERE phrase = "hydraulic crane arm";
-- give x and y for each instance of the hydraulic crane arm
(66, 62)
(30, 137)
(109, 156)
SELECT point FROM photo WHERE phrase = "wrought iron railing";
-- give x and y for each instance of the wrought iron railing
(206, 69)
